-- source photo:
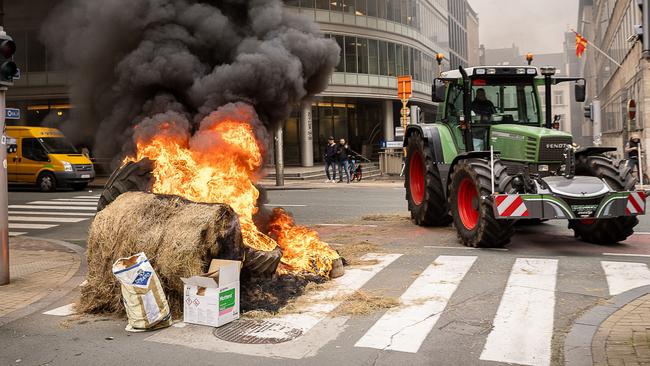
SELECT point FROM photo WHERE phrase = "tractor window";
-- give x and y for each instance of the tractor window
(502, 102)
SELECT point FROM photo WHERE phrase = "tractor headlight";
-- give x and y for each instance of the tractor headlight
(67, 166)
(542, 168)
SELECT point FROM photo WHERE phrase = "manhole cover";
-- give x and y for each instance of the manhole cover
(256, 332)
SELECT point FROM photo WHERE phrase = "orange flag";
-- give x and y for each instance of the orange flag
(581, 44)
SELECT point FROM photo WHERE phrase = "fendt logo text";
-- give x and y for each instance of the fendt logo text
(556, 146)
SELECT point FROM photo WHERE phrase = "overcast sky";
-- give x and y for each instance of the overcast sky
(536, 26)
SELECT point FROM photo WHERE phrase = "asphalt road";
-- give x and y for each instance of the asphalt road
(458, 306)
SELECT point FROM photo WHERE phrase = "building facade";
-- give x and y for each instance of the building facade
(458, 47)
(473, 43)
(609, 25)
(379, 40)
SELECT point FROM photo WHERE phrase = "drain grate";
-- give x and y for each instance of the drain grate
(256, 332)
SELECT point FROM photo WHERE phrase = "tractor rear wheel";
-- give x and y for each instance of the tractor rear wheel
(424, 191)
(473, 216)
(618, 177)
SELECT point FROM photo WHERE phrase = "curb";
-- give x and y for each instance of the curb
(58, 293)
(577, 345)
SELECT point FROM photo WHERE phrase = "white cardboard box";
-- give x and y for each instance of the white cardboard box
(213, 298)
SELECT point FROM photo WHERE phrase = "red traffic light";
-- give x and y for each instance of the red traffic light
(7, 48)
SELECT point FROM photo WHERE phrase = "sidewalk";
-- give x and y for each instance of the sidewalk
(41, 271)
(616, 333)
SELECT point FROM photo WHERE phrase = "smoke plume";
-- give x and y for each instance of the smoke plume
(148, 62)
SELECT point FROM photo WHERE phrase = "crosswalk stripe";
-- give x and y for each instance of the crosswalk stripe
(523, 325)
(46, 219)
(92, 196)
(322, 303)
(34, 207)
(50, 213)
(624, 276)
(62, 203)
(75, 199)
(16, 233)
(30, 226)
(406, 327)
(65, 310)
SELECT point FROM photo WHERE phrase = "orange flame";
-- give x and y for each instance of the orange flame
(220, 164)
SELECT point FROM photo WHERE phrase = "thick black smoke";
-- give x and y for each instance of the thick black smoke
(133, 60)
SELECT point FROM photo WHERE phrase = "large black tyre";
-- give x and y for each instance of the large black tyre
(474, 217)
(424, 190)
(619, 177)
(133, 176)
(136, 176)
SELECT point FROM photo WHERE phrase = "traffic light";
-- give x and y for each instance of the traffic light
(8, 68)
(589, 111)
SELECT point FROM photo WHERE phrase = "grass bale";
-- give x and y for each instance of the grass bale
(179, 237)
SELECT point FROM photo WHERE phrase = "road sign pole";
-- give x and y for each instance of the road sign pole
(4, 224)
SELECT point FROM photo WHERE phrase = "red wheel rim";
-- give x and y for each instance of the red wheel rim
(468, 203)
(416, 177)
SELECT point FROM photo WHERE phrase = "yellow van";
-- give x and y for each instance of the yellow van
(43, 156)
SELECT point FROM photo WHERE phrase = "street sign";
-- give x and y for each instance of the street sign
(392, 144)
(12, 113)
(404, 87)
(631, 109)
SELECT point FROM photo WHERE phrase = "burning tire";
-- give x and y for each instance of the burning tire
(474, 217)
(618, 177)
(424, 191)
(136, 176)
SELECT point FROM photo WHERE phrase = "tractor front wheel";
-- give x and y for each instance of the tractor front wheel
(473, 215)
(424, 190)
(618, 177)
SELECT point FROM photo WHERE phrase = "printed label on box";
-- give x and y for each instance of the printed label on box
(226, 301)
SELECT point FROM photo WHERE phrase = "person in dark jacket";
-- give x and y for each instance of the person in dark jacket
(342, 152)
(330, 160)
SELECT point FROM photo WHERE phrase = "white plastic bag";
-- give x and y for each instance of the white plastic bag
(143, 296)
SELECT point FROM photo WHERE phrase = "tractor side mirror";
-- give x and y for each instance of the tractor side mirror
(438, 91)
(580, 91)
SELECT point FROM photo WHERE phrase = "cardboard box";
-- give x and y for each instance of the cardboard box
(213, 298)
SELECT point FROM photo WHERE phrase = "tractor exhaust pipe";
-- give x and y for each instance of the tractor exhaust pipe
(466, 119)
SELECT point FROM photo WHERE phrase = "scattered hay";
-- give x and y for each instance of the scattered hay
(272, 295)
(352, 253)
(381, 217)
(364, 303)
(179, 237)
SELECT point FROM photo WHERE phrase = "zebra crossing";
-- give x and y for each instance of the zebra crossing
(48, 214)
(521, 330)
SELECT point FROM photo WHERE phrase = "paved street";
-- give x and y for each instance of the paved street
(457, 305)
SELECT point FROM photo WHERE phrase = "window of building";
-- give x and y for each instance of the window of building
(292, 2)
(399, 60)
(361, 7)
(391, 59)
(36, 55)
(341, 66)
(383, 58)
(372, 8)
(373, 57)
(351, 54)
(362, 47)
(558, 97)
(390, 9)
(323, 4)
(381, 9)
(307, 4)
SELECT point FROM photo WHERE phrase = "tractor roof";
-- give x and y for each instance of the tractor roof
(484, 71)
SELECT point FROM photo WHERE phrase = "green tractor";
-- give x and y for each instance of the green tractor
(490, 159)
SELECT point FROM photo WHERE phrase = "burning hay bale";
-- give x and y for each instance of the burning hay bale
(179, 237)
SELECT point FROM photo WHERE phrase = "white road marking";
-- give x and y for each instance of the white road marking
(62, 203)
(274, 205)
(82, 208)
(641, 233)
(345, 225)
(628, 254)
(51, 213)
(46, 219)
(16, 233)
(30, 226)
(76, 199)
(93, 197)
(405, 328)
(624, 276)
(523, 326)
(465, 248)
(65, 310)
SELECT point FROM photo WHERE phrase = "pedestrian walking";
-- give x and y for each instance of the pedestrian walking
(632, 150)
(342, 152)
(330, 160)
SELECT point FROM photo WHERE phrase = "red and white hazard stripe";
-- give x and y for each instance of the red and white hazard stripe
(511, 205)
(636, 203)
